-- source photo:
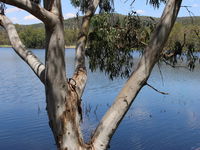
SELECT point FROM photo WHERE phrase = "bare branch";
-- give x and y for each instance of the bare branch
(188, 10)
(33, 8)
(82, 39)
(137, 80)
(161, 75)
(174, 66)
(20, 49)
(80, 74)
(156, 89)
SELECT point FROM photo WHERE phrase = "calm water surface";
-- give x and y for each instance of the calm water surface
(154, 122)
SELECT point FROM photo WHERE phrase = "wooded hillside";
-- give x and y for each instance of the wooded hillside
(33, 35)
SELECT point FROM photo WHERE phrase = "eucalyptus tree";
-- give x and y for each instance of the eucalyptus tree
(63, 94)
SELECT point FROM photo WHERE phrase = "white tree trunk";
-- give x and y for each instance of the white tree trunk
(115, 114)
(62, 105)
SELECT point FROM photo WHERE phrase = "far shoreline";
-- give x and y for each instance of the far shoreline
(5, 46)
(66, 47)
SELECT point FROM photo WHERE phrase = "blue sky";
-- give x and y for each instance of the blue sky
(121, 6)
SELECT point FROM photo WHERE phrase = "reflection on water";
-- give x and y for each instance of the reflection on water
(155, 121)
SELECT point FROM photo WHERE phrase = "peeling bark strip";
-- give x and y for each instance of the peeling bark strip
(115, 114)
(20, 49)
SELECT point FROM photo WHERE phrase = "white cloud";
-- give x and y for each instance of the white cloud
(14, 19)
(139, 11)
(195, 5)
(69, 15)
(30, 17)
(12, 10)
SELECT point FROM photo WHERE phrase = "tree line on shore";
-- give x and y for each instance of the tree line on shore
(186, 31)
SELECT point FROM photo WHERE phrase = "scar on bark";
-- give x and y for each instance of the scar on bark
(78, 100)
(125, 100)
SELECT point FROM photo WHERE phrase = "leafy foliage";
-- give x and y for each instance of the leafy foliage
(106, 6)
(111, 43)
(182, 43)
(33, 38)
(156, 3)
(83, 5)
(2, 8)
(71, 36)
(184, 26)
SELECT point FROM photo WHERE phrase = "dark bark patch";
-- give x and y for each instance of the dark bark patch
(125, 100)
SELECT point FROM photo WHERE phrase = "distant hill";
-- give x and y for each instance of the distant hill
(74, 23)
(189, 20)
(71, 25)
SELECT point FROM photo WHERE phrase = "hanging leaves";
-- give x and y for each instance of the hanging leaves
(83, 5)
(112, 42)
(156, 3)
(2, 8)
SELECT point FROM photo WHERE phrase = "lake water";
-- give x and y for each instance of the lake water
(154, 122)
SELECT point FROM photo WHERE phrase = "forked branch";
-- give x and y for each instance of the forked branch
(20, 49)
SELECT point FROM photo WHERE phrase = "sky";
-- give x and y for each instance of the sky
(121, 6)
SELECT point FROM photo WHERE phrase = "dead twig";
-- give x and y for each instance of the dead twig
(156, 89)
(174, 66)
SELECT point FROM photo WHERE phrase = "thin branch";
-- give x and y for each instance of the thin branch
(33, 8)
(174, 66)
(80, 74)
(190, 12)
(160, 73)
(82, 38)
(156, 89)
(34, 63)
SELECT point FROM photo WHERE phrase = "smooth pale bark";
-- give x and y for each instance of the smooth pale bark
(20, 49)
(115, 114)
(62, 102)
(54, 6)
(76, 86)
(33, 8)
(80, 74)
